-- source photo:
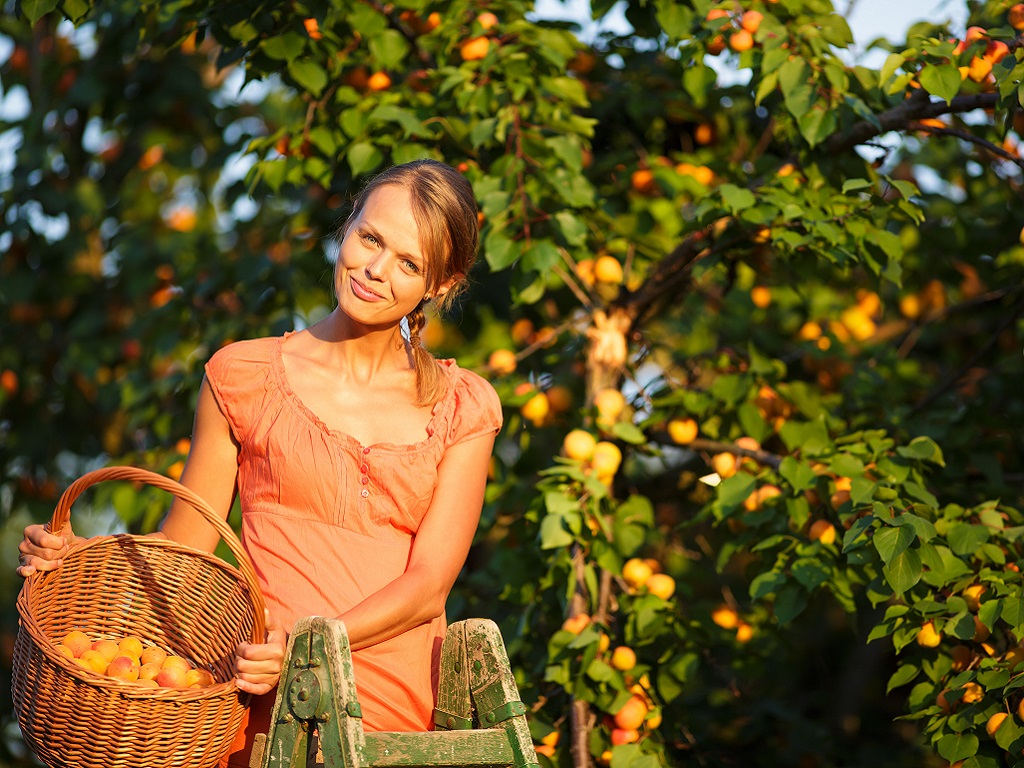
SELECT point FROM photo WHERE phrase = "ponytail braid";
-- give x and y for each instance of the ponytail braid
(430, 385)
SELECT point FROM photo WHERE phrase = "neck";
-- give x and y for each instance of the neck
(361, 350)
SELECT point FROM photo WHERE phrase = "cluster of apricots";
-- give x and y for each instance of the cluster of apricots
(979, 68)
(736, 31)
(129, 659)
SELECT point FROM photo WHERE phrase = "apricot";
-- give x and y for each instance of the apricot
(632, 713)
(576, 624)
(93, 660)
(682, 431)
(149, 671)
(725, 617)
(928, 636)
(579, 445)
(536, 409)
(502, 361)
(176, 661)
(77, 641)
(636, 572)
(65, 651)
(823, 531)
(152, 655)
(171, 677)
(741, 40)
(475, 48)
(624, 736)
(131, 646)
(199, 678)
(623, 658)
(108, 648)
(124, 667)
(724, 464)
(607, 269)
(661, 585)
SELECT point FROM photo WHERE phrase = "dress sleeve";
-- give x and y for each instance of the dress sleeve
(238, 375)
(477, 408)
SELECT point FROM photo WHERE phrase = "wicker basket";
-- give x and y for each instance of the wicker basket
(188, 602)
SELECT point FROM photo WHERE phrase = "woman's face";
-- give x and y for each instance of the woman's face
(380, 275)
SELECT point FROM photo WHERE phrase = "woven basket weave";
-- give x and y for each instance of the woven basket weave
(187, 602)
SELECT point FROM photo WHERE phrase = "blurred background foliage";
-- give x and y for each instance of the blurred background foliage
(778, 286)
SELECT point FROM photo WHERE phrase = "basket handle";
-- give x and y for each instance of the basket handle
(62, 515)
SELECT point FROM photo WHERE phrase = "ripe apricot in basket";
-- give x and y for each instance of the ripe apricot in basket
(77, 641)
(131, 646)
(93, 660)
(171, 677)
(124, 667)
(149, 671)
(153, 655)
(108, 648)
(199, 678)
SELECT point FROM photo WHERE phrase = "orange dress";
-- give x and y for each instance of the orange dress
(327, 521)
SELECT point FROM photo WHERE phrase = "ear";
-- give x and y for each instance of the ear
(442, 289)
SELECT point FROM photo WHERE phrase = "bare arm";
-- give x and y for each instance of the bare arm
(211, 471)
(438, 553)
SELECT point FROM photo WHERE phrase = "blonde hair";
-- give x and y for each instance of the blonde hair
(445, 211)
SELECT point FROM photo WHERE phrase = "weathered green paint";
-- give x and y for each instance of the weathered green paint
(480, 719)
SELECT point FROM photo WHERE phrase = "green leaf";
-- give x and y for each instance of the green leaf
(309, 76)
(817, 123)
(573, 229)
(809, 437)
(388, 48)
(736, 198)
(923, 448)
(734, 490)
(957, 746)
(363, 157)
(942, 80)
(797, 83)
(553, 533)
(789, 603)
(893, 542)
(810, 573)
(851, 185)
(965, 538)
(766, 584)
(902, 676)
(36, 9)
(499, 250)
(541, 256)
(903, 572)
(285, 47)
(893, 62)
(628, 432)
(799, 475)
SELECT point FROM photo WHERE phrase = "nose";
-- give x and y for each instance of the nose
(375, 267)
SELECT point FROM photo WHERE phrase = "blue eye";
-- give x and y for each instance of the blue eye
(411, 265)
(370, 239)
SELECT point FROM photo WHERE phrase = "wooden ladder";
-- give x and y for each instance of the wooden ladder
(479, 719)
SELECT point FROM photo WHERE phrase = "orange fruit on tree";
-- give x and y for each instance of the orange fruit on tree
(623, 658)
(744, 632)
(724, 464)
(642, 180)
(545, 749)
(661, 585)
(576, 624)
(579, 445)
(993, 723)
(624, 736)
(378, 81)
(607, 269)
(981, 632)
(1015, 16)
(761, 296)
(632, 713)
(474, 48)
(487, 20)
(502, 361)
(979, 68)
(682, 431)
(972, 693)
(751, 21)
(823, 531)
(741, 40)
(725, 617)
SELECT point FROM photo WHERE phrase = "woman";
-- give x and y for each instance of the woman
(359, 459)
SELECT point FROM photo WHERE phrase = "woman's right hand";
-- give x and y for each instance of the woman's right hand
(42, 550)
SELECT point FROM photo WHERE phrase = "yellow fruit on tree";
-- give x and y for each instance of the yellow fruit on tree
(475, 48)
(741, 40)
(972, 596)
(724, 464)
(994, 722)
(576, 624)
(606, 459)
(609, 404)
(744, 632)
(928, 636)
(661, 585)
(607, 269)
(761, 296)
(962, 656)
(623, 658)
(379, 81)
(636, 572)
(536, 409)
(682, 431)
(579, 445)
(981, 632)
(972, 693)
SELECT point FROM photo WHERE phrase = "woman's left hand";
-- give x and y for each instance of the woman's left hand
(258, 665)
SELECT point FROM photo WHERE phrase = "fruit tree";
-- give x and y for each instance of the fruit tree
(751, 290)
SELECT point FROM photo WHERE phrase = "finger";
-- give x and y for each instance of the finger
(257, 689)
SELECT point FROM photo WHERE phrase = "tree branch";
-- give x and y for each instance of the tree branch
(917, 107)
(970, 137)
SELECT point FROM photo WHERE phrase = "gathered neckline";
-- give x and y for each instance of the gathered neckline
(439, 409)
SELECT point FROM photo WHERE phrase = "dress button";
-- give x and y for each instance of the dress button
(364, 493)
(365, 480)
(366, 450)
(364, 469)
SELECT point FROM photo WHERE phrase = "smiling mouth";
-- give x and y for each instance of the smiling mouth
(363, 292)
